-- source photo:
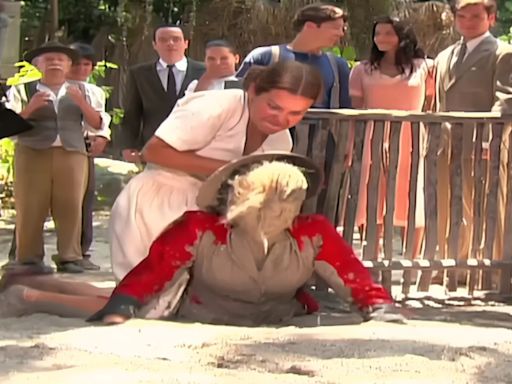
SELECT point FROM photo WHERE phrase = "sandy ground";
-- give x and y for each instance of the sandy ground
(446, 341)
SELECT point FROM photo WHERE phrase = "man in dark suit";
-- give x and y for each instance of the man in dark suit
(153, 89)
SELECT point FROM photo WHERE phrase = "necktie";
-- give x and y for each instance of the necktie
(460, 58)
(171, 84)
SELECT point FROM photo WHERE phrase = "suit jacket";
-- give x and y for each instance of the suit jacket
(146, 102)
(482, 84)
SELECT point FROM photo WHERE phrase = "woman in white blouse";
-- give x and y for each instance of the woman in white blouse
(203, 132)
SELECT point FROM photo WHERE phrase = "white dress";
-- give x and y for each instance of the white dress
(213, 124)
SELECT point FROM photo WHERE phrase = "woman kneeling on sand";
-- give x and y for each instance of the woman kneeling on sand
(244, 259)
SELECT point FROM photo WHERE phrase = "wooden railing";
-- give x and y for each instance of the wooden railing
(480, 158)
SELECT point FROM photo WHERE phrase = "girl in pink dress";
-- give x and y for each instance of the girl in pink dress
(396, 76)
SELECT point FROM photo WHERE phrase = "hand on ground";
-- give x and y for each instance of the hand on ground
(114, 319)
(389, 313)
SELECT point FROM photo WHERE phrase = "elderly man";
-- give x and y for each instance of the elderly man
(50, 161)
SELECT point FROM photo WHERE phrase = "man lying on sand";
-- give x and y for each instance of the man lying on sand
(244, 259)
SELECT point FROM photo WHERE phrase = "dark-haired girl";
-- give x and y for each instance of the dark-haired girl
(397, 76)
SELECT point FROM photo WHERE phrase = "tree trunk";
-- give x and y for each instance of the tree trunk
(361, 15)
(54, 25)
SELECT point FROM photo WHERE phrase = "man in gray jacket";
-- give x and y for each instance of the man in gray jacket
(473, 75)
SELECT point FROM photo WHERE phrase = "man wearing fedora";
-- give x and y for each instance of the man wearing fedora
(50, 161)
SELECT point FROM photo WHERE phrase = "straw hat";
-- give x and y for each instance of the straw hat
(208, 196)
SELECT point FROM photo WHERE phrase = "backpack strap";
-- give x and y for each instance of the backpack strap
(335, 90)
(234, 84)
(275, 51)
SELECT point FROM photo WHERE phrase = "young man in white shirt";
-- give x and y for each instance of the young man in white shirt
(96, 141)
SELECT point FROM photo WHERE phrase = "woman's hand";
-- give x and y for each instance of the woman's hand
(389, 313)
(114, 319)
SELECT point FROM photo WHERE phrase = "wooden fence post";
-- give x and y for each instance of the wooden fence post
(431, 206)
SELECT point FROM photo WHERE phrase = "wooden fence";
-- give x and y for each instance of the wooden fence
(472, 148)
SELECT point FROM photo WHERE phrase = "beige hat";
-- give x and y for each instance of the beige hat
(209, 191)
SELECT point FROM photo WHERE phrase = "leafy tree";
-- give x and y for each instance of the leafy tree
(361, 16)
(80, 20)
(505, 20)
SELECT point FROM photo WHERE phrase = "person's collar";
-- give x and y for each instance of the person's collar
(231, 77)
(179, 65)
(303, 44)
(54, 93)
(471, 44)
(40, 85)
(300, 49)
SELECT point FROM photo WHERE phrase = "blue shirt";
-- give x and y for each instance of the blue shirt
(263, 56)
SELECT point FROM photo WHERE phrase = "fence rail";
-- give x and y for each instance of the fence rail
(459, 167)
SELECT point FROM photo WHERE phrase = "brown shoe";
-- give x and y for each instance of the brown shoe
(64, 266)
(35, 268)
(69, 267)
(88, 265)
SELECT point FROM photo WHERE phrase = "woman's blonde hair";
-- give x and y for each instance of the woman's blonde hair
(274, 180)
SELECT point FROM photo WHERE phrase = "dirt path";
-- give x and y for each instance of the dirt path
(442, 344)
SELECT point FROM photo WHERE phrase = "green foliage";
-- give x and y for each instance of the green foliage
(6, 160)
(32, 14)
(117, 115)
(507, 37)
(99, 73)
(80, 20)
(26, 73)
(97, 76)
(6, 173)
(348, 53)
(505, 20)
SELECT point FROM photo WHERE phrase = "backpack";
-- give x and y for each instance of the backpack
(335, 90)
